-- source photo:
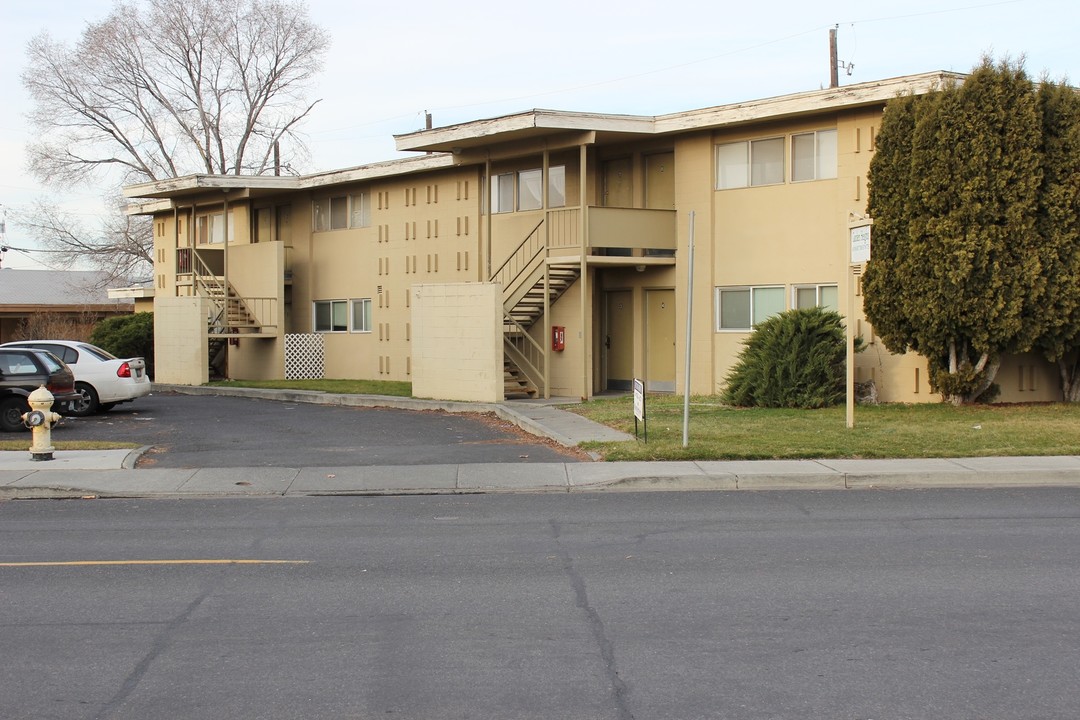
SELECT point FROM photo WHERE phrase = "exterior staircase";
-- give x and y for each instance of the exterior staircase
(229, 317)
(524, 276)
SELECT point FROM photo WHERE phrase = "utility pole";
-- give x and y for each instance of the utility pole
(834, 60)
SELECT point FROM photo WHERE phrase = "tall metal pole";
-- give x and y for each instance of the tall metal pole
(689, 334)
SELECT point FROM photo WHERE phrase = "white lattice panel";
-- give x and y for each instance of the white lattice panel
(304, 356)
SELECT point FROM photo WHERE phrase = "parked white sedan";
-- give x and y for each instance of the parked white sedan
(101, 379)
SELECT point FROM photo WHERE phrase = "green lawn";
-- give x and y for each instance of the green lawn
(884, 431)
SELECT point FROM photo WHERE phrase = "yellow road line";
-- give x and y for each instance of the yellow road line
(88, 563)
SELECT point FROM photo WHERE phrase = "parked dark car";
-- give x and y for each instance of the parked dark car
(24, 370)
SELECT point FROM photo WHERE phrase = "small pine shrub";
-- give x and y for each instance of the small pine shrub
(792, 360)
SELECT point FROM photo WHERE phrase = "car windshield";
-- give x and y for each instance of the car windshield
(97, 352)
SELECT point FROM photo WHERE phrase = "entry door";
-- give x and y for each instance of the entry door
(618, 186)
(619, 339)
(660, 181)
(660, 340)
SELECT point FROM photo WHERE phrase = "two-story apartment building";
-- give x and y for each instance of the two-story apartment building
(542, 252)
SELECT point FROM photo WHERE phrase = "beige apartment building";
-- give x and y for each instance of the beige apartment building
(543, 253)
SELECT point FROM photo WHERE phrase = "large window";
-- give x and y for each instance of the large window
(740, 308)
(361, 315)
(813, 156)
(523, 190)
(750, 163)
(331, 316)
(341, 212)
(808, 296)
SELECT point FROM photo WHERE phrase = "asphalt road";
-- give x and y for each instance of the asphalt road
(855, 605)
(212, 431)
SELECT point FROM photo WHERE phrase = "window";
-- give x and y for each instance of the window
(557, 186)
(211, 228)
(331, 316)
(813, 156)
(361, 315)
(341, 212)
(360, 210)
(750, 163)
(529, 188)
(502, 193)
(740, 308)
(807, 296)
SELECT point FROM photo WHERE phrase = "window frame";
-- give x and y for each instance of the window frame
(748, 162)
(816, 164)
(365, 315)
(817, 288)
(327, 214)
(331, 303)
(751, 289)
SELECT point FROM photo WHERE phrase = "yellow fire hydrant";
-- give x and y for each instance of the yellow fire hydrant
(41, 420)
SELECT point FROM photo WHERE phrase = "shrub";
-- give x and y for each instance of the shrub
(792, 360)
(127, 336)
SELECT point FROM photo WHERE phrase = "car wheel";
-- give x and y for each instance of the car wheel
(11, 411)
(87, 404)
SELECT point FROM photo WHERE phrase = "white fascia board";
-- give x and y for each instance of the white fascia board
(187, 183)
(374, 171)
(471, 132)
(802, 103)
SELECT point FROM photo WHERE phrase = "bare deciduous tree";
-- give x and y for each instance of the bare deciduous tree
(164, 88)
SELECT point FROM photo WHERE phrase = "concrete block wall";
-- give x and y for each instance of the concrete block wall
(457, 342)
(180, 344)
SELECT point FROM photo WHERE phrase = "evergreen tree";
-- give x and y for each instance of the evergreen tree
(954, 191)
(1058, 225)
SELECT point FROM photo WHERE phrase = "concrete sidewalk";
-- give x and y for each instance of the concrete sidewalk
(111, 473)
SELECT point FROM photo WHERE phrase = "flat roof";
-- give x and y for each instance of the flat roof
(553, 126)
(534, 123)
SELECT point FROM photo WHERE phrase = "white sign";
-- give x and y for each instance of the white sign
(860, 244)
(639, 399)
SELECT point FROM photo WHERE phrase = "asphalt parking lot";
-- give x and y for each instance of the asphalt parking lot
(210, 431)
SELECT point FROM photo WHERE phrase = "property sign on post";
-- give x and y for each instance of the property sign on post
(639, 408)
(860, 244)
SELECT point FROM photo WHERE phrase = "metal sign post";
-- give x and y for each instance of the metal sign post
(639, 408)
(689, 334)
(860, 255)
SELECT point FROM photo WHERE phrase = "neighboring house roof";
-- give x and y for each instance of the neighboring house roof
(36, 290)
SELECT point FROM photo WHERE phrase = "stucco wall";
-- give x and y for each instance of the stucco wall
(180, 344)
(457, 342)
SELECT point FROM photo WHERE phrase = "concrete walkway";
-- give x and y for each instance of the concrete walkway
(111, 473)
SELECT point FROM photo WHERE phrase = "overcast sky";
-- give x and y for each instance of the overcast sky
(389, 62)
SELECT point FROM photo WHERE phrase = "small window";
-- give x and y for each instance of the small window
(360, 210)
(210, 229)
(331, 316)
(530, 189)
(361, 315)
(330, 213)
(557, 186)
(741, 308)
(750, 163)
(813, 156)
(807, 296)
(502, 193)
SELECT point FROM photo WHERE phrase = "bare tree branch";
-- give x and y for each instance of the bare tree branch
(162, 88)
